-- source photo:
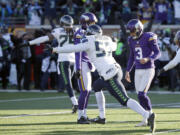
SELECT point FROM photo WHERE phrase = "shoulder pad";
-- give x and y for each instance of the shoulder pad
(151, 36)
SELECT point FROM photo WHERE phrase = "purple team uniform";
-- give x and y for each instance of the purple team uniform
(144, 47)
(79, 58)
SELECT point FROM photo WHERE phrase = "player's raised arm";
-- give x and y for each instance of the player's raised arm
(72, 48)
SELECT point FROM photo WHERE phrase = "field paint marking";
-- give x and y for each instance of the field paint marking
(162, 132)
(40, 114)
(33, 99)
(55, 91)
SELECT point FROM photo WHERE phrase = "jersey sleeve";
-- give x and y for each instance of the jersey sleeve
(131, 59)
(152, 40)
(72, 48)
(173, 62)
(78, 55)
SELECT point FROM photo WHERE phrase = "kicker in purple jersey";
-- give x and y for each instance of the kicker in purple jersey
(80, 56)
(144, 47)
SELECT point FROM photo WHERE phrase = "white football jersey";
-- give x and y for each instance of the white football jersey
(64, 40)
(99, 50)
(173, 62)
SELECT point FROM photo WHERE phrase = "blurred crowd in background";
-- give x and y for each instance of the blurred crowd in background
(39, 12)
(36, 68)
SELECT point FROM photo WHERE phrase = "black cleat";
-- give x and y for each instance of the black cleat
(99, 120)
(83, 120)
(74, 108)
(151, 123)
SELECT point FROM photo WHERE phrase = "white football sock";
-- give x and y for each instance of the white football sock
(135, 106)
(85, 113)
(100, 99)
(80, 113)
(74, 100)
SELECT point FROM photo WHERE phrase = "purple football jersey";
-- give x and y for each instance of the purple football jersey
(80, 56)
(144, 47)
(161, 11)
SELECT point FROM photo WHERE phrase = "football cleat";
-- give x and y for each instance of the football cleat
(83, 120)
(141, 124)
(74, 108)
(99, 120)
(151, 123)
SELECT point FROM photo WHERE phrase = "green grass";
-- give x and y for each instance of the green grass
(120, 121)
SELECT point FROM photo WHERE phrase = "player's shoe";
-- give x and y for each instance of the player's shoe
(83, 120)
(142, 124)
(99, 120)
(74, 108)
(151, 123)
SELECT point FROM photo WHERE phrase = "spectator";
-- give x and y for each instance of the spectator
(34, 13)
(126, 11)
(144, 12)
(161, 11)
(50, 12)
(176, 4)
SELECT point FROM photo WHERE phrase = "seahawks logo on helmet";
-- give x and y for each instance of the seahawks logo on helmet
(94, 30)
(66, 21)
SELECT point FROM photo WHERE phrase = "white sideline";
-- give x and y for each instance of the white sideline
(162, 132)
(55, 91)
(33, 99)
(39, 114)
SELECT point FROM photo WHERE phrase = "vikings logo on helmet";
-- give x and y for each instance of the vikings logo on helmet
(135, 26)
(87, 19)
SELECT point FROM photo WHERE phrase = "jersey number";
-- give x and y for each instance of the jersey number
(65, 38)
(139, 53)
(100, 51)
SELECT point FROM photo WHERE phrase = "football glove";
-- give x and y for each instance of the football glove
(160, 72)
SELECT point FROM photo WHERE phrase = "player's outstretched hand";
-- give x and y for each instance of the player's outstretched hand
(48, 47)
(160, 72)
(127, 77)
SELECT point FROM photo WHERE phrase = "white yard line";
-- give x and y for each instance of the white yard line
(162, 132)
(39, 114)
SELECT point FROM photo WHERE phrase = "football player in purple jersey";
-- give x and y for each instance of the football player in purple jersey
(144, 51)
(83, 73)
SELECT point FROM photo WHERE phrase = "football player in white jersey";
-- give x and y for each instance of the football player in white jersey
(64, 36)
(99, 48)
(176, 59)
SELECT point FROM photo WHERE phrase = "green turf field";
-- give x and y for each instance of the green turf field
(50, 114)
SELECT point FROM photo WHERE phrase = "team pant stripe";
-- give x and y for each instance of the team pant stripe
(82, 83)
(118, 91)
(63, 73)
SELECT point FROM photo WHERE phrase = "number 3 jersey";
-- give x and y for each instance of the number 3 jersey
(144, 47)
(99, 50)
(64, 39)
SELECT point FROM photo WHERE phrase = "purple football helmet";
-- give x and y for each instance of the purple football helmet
(136, 27)
(87, 19)
(177, 38)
